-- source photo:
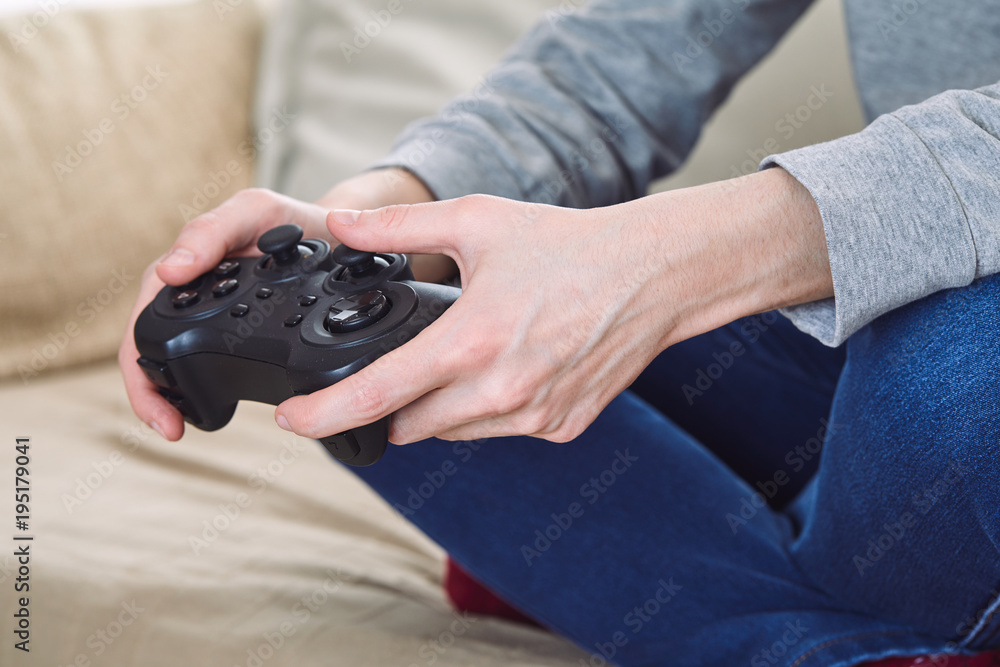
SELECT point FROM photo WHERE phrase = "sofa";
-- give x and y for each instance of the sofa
(246, 546)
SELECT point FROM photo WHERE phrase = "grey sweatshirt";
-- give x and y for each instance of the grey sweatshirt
(599, 100)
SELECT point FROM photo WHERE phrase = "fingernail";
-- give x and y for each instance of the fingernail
(156, 427)
(346, 216)
(283, 423)
(178, 257)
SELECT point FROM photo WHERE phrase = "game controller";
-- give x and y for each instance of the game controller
(296, 320)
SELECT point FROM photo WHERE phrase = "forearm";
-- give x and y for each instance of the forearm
(595, 103)
(736, 248)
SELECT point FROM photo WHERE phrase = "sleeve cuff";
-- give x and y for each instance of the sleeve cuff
(895, 229)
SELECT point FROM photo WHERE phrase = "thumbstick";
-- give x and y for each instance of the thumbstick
(358, 262)
(282, 243)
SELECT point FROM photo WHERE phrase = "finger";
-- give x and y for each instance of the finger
(432, 415)
(232, 229)
(378, 390)
(146, 401)
(429, 228)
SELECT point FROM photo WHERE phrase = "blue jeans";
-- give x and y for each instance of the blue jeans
(753, 499)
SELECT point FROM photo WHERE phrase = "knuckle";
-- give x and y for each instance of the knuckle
(560, 436)
(308, 422)
(393, 217)
(477, 349)
(504, 398)
(571, 428)
(534, 421)
(256, 203)
(368, 401)
(206, 223)
(474, 202)
(255, 198)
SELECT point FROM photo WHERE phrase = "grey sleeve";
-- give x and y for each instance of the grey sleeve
(595, 102)
(910, 205)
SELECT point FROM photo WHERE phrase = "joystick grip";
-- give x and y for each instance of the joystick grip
(282, 243)
(359, 263)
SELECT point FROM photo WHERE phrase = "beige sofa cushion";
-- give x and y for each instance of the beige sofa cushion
(115, 125)
(247, 546)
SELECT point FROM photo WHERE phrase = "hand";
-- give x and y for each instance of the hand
(231, 230)
(563, 308)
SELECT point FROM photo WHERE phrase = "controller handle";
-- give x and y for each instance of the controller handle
(281, 243)
(361, 446)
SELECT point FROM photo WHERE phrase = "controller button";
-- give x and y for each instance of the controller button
(225, 286)
(307, 300)
(293, 320)
(157, 373)
(239, 310)
(227, 268)
(343, 445)
(356, 312)
(264, 293)
(185, 298)
(175, 400)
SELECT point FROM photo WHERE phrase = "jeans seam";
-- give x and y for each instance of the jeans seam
(983, 623)
(837, 640)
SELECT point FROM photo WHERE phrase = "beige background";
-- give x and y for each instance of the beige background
(434, 50)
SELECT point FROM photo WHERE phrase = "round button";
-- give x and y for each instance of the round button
(293, 320)
(239, 310)
(356, 312)
(265, 293)
(225, 286)
(307, 300)
(227, 268)
(185, 298)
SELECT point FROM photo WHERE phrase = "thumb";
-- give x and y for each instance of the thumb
(429, 228)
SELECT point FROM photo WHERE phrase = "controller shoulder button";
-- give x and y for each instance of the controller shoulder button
(158, 373)
(343, 445)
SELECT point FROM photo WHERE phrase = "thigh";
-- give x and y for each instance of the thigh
(634, 541)
(757, 393)
(903, 518)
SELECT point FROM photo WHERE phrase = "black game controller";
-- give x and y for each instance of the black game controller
(294, 321)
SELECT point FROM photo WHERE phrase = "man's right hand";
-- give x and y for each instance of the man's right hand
(232, 230)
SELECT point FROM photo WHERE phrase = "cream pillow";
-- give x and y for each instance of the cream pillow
(115, 127)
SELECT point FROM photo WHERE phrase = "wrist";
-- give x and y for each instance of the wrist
(377, 188)
(739, 247)
(782, 242)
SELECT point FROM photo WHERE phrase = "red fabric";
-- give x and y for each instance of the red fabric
(991, 659)
(467, 594)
